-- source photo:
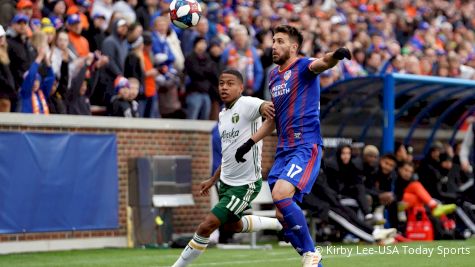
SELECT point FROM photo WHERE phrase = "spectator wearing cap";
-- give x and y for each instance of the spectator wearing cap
(79, 43)
(202, 73)
(116, 47)
(48, 28)
(242, 55)
(123, 103)
(82, 12)
(35, 90)
(96, 34)
(20, 50)
(7, 84)
(25, 7)
(57, 22)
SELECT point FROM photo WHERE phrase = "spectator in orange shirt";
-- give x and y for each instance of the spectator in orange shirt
(79, 43)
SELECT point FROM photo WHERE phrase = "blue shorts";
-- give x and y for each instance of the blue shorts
(299, 166)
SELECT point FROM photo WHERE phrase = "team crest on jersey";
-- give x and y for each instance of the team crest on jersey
(287, 74)
(235, 118)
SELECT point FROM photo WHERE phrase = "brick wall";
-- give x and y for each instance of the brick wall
(145, 142)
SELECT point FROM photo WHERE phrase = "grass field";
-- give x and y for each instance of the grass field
(461, 253)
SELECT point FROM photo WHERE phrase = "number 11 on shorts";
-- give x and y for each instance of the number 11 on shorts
(293, 172)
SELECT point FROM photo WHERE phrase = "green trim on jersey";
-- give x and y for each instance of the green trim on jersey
(255, 153)
(234, 102)
(234, 200)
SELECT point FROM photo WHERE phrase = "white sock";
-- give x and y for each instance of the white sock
(195, 247)
(253, 223)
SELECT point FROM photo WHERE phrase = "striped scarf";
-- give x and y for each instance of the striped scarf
(35, 102)
(247, 65)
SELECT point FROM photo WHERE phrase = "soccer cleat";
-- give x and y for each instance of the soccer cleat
(311, 259)
(382, 234)
(442, 209)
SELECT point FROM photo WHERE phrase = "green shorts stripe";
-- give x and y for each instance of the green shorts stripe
(234, 200)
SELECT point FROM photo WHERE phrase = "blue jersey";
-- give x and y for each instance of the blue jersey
(295, 93)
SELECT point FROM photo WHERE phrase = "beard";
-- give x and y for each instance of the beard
(279, 60)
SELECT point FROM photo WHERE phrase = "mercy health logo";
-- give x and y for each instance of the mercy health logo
(279, 90)
(229, 136)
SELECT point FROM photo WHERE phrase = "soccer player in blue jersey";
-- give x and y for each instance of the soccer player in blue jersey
(295, 89)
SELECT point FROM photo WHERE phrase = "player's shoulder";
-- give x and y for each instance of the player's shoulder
(306, 60)
(247, 100)
(274, 70)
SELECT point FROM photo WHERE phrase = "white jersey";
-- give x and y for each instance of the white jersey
(236, 125)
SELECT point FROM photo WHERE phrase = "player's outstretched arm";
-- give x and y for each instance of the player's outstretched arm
(320, 65)
(268, 126)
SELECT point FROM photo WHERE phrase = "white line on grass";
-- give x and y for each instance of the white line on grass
(291, 258)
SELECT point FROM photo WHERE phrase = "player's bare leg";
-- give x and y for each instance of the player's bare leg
(199, 243)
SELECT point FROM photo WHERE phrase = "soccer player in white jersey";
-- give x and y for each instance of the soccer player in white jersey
(239, 182)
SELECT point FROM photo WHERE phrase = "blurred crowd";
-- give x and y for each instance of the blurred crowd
(125, 58)
(358, 189)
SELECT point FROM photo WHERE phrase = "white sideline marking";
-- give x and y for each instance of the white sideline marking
(292, 258)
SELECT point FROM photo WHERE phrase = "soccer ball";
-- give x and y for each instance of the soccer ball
(185, 13)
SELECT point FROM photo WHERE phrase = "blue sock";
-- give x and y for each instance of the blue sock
(290, 236)
(296, 223)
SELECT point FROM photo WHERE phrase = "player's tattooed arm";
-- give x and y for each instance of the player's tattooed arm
(328, 61)
(208, 183)
(267, 110)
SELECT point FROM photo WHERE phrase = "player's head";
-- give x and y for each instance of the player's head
(231, 85)
(287, 41)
